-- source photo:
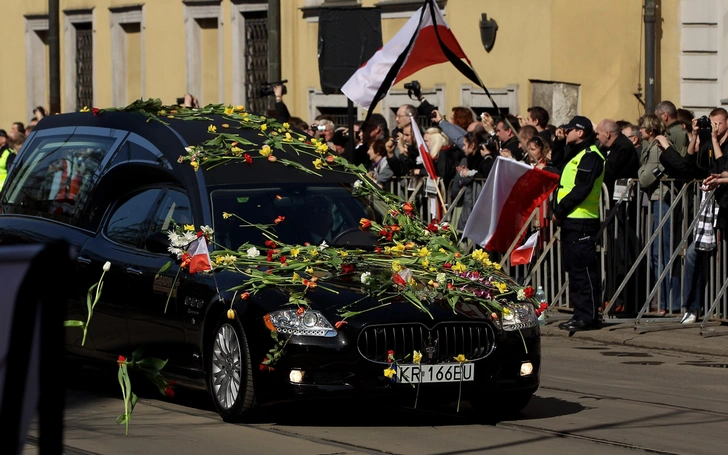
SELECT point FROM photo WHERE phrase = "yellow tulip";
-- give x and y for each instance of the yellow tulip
(460, 358)
(416, 356)
(231, 314)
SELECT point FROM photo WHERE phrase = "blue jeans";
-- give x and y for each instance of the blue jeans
(694, 292)
(670, 285)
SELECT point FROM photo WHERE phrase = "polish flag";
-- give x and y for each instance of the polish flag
(511, 193)
(422, 147)
(200, 260)
(425, 40)
(524, 253)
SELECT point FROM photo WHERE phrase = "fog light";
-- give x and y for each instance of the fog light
(526, 368)
(296, 376)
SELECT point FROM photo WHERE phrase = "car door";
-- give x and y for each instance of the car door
(156, 312)
(119, 242)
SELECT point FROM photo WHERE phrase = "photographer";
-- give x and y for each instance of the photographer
(698, 253)
(402, 152)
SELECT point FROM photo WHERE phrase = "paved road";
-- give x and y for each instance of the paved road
(595, 398)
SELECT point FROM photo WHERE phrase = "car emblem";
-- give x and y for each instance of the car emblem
(431, 346)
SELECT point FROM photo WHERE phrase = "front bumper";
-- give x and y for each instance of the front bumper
(334, 368)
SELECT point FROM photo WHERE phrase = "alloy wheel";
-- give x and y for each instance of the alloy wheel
(226, 366)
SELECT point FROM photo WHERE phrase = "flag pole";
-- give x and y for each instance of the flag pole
(439, 195)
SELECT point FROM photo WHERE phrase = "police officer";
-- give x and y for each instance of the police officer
(7, 155)
(577, 212)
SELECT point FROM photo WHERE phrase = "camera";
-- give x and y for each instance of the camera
(266, 88)
(492, 143)
(704, 123)
(181, 101)
(658, 173)
(413, 88)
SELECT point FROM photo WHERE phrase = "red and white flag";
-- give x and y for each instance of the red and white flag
(422, 42)
(524, 253)
(422, 147)
(200, 260)
(511, 193)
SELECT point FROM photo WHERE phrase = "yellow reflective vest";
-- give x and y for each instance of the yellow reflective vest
(4, 166)
(589, 207)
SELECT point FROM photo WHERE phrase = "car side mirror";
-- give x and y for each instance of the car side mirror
(157, 242)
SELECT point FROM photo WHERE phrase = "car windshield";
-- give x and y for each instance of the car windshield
(305, 213)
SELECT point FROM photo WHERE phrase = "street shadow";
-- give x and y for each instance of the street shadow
(87, 384)
(548, 407)
(393, 414)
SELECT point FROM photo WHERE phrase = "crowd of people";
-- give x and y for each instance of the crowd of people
(12, 141)
(666, 145)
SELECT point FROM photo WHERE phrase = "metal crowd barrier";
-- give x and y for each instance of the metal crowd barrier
(632, 293)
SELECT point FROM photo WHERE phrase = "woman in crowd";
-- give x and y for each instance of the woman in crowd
(649, 174)
(539, 152)
(379, 170)
(475, 164)
(462, 117)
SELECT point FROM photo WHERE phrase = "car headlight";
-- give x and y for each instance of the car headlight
(519, 316)
(307, 322)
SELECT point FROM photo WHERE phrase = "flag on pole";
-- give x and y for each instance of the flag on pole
(422, 147)
(511, 193)
(425, 40)
(200, 256)
(524, 253)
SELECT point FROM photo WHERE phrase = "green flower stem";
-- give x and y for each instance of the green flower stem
(90, 305)
(169, 296)
(460, 389)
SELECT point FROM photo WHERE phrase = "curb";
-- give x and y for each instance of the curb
(687, 341)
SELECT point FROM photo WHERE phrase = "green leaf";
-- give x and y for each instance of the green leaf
(73, 323)
(243, 200)
(133, 401)
(121, 419)
(163, 269)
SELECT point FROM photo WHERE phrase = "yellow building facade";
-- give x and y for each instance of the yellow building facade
(115, 51)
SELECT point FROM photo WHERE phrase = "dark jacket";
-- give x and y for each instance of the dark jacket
(621, 162)
(512, 146)
(282, 114)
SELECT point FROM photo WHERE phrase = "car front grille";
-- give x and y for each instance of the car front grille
(437, 345)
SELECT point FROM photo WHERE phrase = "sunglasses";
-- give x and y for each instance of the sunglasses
(537, 140)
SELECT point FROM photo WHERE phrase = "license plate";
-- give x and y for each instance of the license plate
(446, 372)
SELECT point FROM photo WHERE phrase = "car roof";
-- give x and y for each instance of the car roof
(172, 138)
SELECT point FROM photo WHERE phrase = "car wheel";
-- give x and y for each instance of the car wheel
(509, 405)
(230, 378)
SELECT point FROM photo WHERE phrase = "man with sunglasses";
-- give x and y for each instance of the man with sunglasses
(577, 212)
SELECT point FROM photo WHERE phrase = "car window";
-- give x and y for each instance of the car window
(130, 218)
(138, 149)
(174, 209)
(311, 214)
(57, 174)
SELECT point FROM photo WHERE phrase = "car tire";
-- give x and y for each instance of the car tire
(507, 406)
(229, 372)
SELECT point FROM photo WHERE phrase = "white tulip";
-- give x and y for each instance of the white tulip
(107, 266)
